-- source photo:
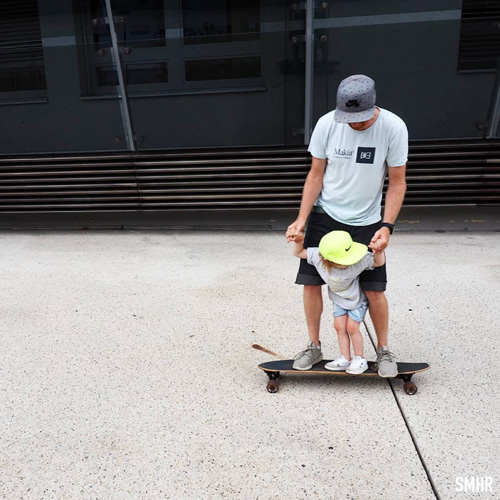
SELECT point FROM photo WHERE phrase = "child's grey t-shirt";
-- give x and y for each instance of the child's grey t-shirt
(343, 284)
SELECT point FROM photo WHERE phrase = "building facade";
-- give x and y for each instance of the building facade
(136, 77)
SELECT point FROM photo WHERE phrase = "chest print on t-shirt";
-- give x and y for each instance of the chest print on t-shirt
(365, 155)
(343, 153)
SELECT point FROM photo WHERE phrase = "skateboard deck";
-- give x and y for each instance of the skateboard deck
(273, 370)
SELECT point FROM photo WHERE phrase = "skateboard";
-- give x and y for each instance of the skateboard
(273, 370)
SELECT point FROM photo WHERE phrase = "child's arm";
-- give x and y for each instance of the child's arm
(298, 247)
(379, 255)
(378, 259)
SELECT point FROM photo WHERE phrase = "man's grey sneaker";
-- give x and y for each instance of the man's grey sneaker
(387, 367)
(307, 358)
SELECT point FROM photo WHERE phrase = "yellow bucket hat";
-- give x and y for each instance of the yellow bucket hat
(338, 247)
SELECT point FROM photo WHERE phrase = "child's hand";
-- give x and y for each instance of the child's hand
(380, 240)
(293, 235)
(377, 246)
(298, 238)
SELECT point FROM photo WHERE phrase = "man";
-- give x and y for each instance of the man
(352, 148)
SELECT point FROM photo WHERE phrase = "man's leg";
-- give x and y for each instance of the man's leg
(318, 225)
(313, 306)
(374, 284)
(379, 313)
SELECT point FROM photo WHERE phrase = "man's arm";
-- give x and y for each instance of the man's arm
(395, 193)
(393, 202)
(312, 189)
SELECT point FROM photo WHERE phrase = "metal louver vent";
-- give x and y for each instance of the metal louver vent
(479, 35)
(21, 55)
(68, 183)
(447, 173)
(453, 173)
(268, 178)
(20, 38)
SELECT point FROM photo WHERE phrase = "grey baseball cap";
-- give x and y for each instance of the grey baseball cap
(355, 99)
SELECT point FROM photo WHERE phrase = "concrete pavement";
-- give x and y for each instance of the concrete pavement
(127, 372)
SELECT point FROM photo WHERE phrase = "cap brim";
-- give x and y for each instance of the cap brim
(354, 255)
(354, 117)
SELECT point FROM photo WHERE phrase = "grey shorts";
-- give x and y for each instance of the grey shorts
(318, 225)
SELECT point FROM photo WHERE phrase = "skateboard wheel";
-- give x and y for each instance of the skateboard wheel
(272, 386)
(410, 388)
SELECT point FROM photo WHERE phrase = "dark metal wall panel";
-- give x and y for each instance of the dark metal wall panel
(450, 173)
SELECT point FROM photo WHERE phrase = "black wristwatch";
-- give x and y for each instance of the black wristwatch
(389, 226)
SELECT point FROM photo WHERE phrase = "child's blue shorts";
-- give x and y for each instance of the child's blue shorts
(356, 314)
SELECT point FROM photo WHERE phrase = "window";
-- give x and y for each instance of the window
(22, 70)
(140, 30)
(170, 47)
(220, 21)
(228, 68)
(221, 44)
(479, 35)
(138, 21)
(134, 74)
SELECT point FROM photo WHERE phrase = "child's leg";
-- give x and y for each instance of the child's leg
(340, 324)
(356, 337)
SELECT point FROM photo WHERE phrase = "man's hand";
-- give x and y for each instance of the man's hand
(380, 240)
(295, 231)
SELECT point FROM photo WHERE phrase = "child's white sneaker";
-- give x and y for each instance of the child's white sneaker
(338, 365)
(358, 365)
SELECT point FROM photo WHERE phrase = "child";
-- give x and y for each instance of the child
(339, 262)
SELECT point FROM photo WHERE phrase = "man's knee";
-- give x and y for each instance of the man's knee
(312, 291)
(375, 297)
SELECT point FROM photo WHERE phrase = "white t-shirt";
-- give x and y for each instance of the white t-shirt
(357, 162)
(343, 284)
